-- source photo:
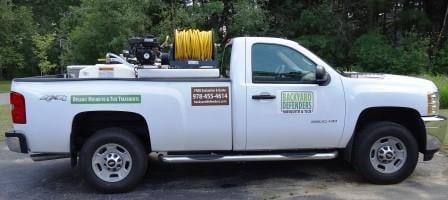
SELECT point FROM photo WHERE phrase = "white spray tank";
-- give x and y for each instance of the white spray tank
(121, 70)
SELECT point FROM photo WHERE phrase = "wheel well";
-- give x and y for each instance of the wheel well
(86, 124)
(407, 117)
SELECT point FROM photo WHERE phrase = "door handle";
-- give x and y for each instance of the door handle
(263, 96)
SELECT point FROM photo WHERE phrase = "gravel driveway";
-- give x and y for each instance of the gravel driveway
(4, 98)
(23, 179)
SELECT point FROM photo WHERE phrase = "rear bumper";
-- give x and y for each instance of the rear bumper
(435, 134)
(16, 142)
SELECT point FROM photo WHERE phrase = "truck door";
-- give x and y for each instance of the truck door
(286, 109)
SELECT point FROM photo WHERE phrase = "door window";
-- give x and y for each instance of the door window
(272, 63)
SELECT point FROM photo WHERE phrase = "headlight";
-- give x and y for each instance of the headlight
(433, 103)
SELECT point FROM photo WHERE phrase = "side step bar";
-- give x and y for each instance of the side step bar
(246, 158)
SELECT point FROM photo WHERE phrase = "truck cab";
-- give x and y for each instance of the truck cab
(280, 87)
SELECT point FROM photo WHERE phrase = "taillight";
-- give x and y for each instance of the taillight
(18, 111)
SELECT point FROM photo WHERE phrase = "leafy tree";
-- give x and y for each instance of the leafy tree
(47, 13)
(16, 29)
(102, 27)
(413, 57)
(441, 60)
(42, 46)
(398, 36)
(373, 53)
(284, 17)
(325, 32)
(182, 16)
(249, 19)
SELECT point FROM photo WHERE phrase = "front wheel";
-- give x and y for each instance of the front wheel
(113, 160)
(385, 153)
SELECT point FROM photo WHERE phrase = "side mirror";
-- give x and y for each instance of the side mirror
(322, 77)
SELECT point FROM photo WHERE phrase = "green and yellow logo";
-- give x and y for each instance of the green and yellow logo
(105, 99)
(297, 102)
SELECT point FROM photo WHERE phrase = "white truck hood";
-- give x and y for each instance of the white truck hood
(394, 80)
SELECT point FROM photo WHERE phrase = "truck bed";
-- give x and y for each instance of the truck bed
(176, 120)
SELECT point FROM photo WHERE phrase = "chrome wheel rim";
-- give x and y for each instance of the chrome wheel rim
(111, 162)
(388, 154)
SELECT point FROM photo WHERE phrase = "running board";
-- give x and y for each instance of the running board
(247, 158)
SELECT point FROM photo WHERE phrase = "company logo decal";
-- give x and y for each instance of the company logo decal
(209, 96)
(105, 99)
(54, 97)
(297, 102)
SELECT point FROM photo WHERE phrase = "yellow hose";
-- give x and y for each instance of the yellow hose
(193, 45)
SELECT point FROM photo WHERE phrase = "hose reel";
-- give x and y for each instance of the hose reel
(192, 49)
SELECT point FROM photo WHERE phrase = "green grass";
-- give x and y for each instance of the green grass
(5, 120)
(5, 86)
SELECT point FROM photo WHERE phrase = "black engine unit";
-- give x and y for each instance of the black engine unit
(145, 49)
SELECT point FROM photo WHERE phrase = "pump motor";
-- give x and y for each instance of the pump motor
(145, 49)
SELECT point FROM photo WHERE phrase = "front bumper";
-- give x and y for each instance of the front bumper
(16, 142)
(435, 134)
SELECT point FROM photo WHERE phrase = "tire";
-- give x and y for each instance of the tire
(378, 163)
(125, 160)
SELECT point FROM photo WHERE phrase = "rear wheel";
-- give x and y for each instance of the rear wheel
(113, 160)
(385, 153)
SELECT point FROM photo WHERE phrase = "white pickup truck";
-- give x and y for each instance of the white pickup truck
(273, 100)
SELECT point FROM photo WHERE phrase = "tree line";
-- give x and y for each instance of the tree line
(393, 36)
